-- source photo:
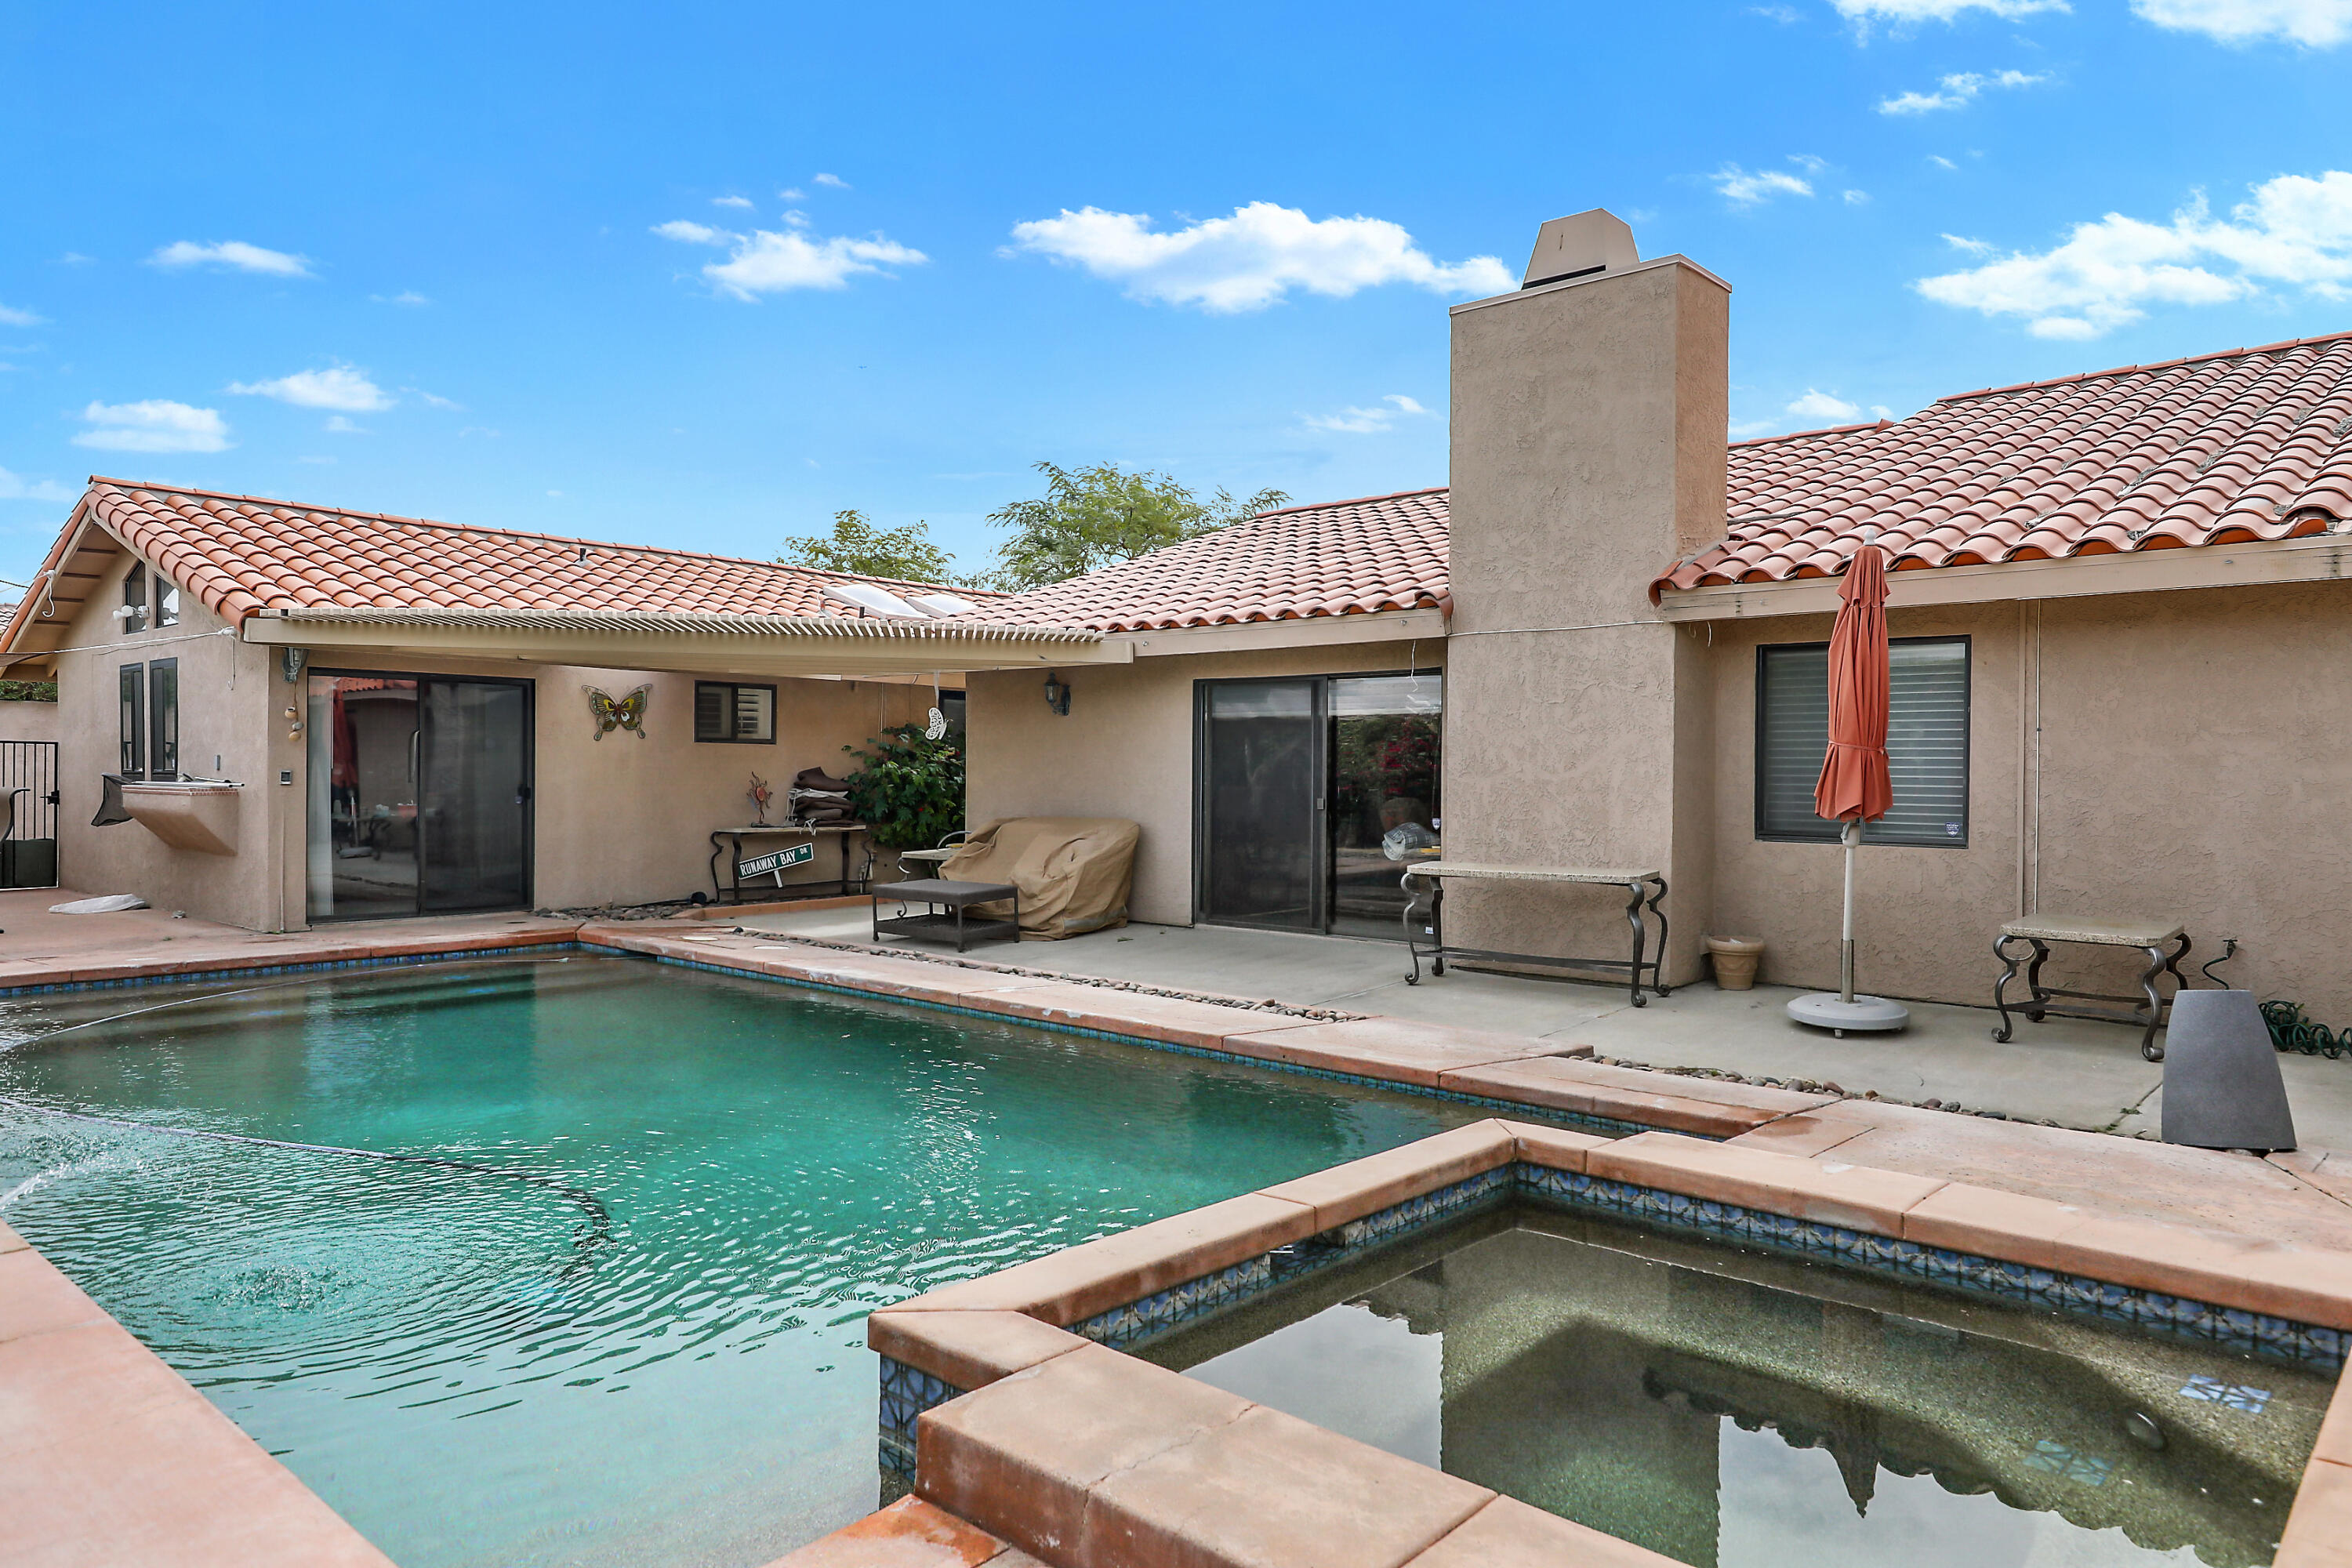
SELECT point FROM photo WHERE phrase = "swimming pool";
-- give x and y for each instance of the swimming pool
(620, 1320)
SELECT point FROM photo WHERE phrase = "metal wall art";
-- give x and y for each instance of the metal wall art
(612, 713)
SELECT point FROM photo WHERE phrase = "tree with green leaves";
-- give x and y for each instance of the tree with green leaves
(1100, 514)
(855, 546)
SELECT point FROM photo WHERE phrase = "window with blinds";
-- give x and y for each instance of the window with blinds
(726, 712)
(1927, 742)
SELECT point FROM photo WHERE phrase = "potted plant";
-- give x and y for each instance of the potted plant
(908, 790)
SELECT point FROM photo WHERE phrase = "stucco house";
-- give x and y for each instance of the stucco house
(323, 714)
(2124, 637)
(2121, 632)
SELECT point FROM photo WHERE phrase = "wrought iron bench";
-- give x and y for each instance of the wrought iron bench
(1424, 916)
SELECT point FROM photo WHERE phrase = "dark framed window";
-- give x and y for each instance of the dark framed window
(167, 601)
(726, 712)
(132, 684)
(1927, 742)
(134, 598)
(163, 718)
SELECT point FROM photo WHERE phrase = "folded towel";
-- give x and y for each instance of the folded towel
(817, 778)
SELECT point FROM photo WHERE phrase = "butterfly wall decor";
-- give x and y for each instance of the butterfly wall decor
(612, 713)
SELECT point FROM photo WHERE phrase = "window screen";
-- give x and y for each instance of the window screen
(1927, 742)
(163, 718)
(133, 684)
(723, 711)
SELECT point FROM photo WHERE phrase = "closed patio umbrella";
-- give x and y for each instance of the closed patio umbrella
(1855, 787)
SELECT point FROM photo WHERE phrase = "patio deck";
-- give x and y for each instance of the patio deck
(2077, 1074)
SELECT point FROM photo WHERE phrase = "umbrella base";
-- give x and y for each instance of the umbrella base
(1828, 1010)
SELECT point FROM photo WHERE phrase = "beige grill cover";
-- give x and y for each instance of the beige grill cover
(1074, 872)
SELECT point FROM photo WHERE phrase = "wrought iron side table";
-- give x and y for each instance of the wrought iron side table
(2036, 933)
(1424, 916)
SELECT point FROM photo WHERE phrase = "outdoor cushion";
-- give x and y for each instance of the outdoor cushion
(1074, 872)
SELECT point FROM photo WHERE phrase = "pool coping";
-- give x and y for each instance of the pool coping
(1031, 1425)
(1677, 1122)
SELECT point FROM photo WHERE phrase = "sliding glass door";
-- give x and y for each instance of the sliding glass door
(1311, 794)
(420, 795)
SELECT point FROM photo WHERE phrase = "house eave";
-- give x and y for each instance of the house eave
(2316, 559)
(1315, 631)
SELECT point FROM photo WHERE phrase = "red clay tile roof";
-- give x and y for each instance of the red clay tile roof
(244, 553)
(1339, 558)
(2253, 444)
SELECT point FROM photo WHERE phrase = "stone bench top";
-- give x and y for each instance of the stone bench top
(955, 895)
(2085, 928)
(1471, 870)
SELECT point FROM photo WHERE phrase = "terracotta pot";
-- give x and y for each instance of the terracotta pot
(1735, 961)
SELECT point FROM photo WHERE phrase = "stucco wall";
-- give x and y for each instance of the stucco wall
(226, 695)
(2189, 762)
(1126, 748)
(28, 721)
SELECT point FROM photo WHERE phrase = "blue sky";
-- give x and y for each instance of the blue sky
(702, 276)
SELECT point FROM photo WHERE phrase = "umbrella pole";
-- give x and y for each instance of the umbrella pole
(1845, 962)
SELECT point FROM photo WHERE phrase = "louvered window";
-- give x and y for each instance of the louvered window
(724, 712)
(1927, 742)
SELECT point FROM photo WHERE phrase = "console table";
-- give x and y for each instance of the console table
(730, 841)
(1424, 915)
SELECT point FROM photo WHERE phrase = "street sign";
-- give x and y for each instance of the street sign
(762, 865)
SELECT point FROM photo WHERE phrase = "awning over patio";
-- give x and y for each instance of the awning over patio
(685, 642)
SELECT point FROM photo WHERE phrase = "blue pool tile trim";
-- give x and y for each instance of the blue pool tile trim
(906, 1393)
(382, 961)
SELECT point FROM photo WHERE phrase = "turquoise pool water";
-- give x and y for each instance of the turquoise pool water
(638, 1338)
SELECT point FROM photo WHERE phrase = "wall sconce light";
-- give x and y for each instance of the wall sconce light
(1057, 695)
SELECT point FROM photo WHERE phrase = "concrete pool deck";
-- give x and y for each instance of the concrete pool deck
(1503, 1040)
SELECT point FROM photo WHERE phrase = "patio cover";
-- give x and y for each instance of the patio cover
(1074, 873)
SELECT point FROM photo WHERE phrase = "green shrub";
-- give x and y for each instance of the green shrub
(908, 790)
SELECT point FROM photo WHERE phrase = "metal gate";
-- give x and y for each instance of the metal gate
(28, 782)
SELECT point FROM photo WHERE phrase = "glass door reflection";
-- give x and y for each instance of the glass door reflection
(1384, 811)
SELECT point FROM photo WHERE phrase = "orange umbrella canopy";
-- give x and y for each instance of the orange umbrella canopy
(1854, 782)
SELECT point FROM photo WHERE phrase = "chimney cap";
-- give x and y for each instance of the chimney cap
(1582, 243)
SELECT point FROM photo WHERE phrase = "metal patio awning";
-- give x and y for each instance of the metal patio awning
(684, 642)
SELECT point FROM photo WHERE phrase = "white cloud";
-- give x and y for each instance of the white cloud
(1784, 14)
(835, 181)
(767, 261)
(2320, 24)
(1856, 198)
(405, 297)
(1380, 417)
(793, 196)
(14, 488)
(314, 459)
(1253, 258)
(770, 263)
(338, 425)
(156, 425)
(430, 400)
(1957, 91)
(2296, 232)
(1902, 13)
(1973, 247)
(9, 318)
(1942, 163)
(731, 201)
(338, 386)
(1741, 188)
(1821, 406)
(234, 255)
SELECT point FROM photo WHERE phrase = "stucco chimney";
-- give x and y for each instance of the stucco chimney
(1588, 455)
